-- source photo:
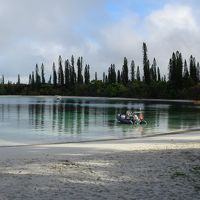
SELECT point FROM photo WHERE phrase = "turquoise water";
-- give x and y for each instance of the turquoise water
(39, 120)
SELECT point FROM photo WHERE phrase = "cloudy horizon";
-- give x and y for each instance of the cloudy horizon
(101, 31)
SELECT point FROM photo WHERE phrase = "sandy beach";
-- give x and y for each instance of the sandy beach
(162, 167)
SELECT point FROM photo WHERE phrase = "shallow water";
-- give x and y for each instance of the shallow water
(39, 120)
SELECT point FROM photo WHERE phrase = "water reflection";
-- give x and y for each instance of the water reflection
(75, 119)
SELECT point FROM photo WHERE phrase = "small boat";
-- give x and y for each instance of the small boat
(124, 119)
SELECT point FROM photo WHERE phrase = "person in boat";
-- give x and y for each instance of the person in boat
(132, 116)
(128, 114)
(141, 117)
(136, 118)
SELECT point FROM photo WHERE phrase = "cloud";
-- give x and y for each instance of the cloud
(165, 30)
(172, 28)
(39, 31)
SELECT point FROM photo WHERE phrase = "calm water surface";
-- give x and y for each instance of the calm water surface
(37, 120)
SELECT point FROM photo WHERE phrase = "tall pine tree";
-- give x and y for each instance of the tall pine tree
(124, 73)
(42, 73)
(67, 73)
(146, 64)
(60, 72)
(193, 69)
(132, 70)
(87, 74)
(37, 76)
(138, 74)
(54, 75)
(79, 70)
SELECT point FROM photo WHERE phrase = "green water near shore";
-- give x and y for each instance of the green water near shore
(39, 120)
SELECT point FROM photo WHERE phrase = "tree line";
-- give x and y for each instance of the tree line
(71, 77)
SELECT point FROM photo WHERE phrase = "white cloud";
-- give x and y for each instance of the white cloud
(119, 40)
(39, 31)
(173, 17)
(172, 28)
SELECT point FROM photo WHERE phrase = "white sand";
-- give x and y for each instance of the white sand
(163, 167)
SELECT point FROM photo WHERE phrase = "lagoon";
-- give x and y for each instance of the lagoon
(42, 119)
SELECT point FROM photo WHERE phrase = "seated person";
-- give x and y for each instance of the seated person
(136, 118)
(128, 114)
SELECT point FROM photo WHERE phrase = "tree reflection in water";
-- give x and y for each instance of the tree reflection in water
(74, 119)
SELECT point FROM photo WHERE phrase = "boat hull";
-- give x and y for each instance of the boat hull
(123, 120)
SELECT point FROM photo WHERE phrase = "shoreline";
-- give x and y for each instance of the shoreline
(113, 98)
(174, 132)
(162, 167)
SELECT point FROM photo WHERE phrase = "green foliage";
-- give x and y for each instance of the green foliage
(116, 90)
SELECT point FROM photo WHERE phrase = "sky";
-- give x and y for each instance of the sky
(103, 32)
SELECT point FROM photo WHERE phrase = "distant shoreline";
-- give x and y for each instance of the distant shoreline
(110, 98)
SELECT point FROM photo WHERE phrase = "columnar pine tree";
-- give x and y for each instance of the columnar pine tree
(179, 70)
(132, 70)
(124, 74)
(96, 76)
(67, 73)
(176, 70)
(119, 77)
(30, 81)
(2, 79)
(18, 79)
(164, 78)
(49, 81)
(33, 79)
(138, 74)
(87, 74)
(111, 74)
(193, 69)
(54, 75)
(37, 76)
(146, 64)
(171, 71)
(104, 77)
(198, 72)
(79, 70)
(185, 72)
(60, 72)
(72, 72)
(42, 73)
(153, 71)
(158, 74)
